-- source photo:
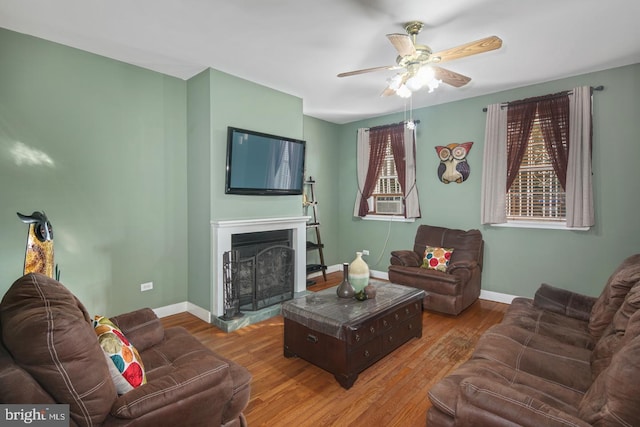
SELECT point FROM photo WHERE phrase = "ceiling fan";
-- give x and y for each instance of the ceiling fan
(418, 62)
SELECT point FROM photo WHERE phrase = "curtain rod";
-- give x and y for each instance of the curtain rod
(394, 124)
(598, 88)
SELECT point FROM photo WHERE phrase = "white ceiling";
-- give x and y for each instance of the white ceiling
(298, 46)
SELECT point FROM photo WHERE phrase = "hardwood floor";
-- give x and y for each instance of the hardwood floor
(393, 392)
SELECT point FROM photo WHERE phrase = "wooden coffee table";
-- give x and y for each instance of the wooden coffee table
(346, 336)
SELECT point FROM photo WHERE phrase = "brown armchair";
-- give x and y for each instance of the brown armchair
(450, 291)
(49, 353)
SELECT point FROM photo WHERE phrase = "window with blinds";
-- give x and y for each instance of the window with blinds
(388, 179)
(536, 193)
(387, 196)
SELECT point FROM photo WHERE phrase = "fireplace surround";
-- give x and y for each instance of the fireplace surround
(222, 233)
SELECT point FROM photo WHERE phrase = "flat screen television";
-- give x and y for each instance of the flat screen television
(263, 164)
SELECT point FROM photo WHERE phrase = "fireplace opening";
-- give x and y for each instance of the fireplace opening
(266, 268)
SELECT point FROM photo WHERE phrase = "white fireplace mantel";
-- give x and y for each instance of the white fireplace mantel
(221, 232)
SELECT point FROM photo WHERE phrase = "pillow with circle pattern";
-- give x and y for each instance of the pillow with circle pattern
(126, 359)
(436, 258)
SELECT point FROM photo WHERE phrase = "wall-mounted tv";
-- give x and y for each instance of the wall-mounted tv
(263, 164)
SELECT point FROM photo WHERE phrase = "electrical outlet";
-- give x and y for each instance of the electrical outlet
(146, 286)
(365, 252)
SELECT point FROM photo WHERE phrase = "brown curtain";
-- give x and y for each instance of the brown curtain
(566, 122)
(553, 115)
(520, 117)
(397, 147)
(377, 143)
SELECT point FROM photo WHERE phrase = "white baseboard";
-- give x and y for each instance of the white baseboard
(205, 315)
(382, 275)
(199, 312)
(330, 269)
(338, 267)
(181, 307)
(168, 310)
(497, 296)
(485, 295)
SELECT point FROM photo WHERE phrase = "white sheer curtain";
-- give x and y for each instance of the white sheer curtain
(579, 191)
(362, 166)
(282, 178)
(494, 171)
(412, 203)
(274, 177)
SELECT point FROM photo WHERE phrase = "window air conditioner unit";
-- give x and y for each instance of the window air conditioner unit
(388, 205)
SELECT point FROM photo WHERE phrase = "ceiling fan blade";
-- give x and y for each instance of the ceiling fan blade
(450, 77)
(388, 92)
(402, 43)
(472, 48)
(368, 70)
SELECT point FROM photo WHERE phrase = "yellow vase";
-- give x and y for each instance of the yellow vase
(358, 273)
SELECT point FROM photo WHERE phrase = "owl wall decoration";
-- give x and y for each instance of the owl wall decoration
(453, 162)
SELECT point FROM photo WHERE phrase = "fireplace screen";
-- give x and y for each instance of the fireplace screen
(265, 270)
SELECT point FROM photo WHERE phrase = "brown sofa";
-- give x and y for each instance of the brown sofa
(447, 292)
(561, 359)
(50, 354)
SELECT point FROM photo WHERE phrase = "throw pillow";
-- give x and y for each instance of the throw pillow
(122, 385)
(436, 258)
(122, 354)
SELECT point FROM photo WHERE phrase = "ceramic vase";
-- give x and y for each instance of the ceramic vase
(359, 273)
(345, 290)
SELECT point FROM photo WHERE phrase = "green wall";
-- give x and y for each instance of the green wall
(136, 169)
(198, 188)
(243, 104)
(323, 139)
(132, 162)
(100, 146)
(516, 260)
(217, 100)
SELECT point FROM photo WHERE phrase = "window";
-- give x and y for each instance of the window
(387, 191)
(387, 188)
(536, 193)
(387, 195)
(537, 162)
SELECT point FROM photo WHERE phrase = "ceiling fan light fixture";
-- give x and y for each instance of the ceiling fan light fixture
(397, 85)
(415, 58)
(395, 82)
(415, 83)
(434, 84)
(423, 77)
(403, 92)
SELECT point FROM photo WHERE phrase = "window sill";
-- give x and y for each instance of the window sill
(540, 225)
(388, 218)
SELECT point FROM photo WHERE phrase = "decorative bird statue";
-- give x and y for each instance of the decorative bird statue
(38, 257)
(453, 162)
